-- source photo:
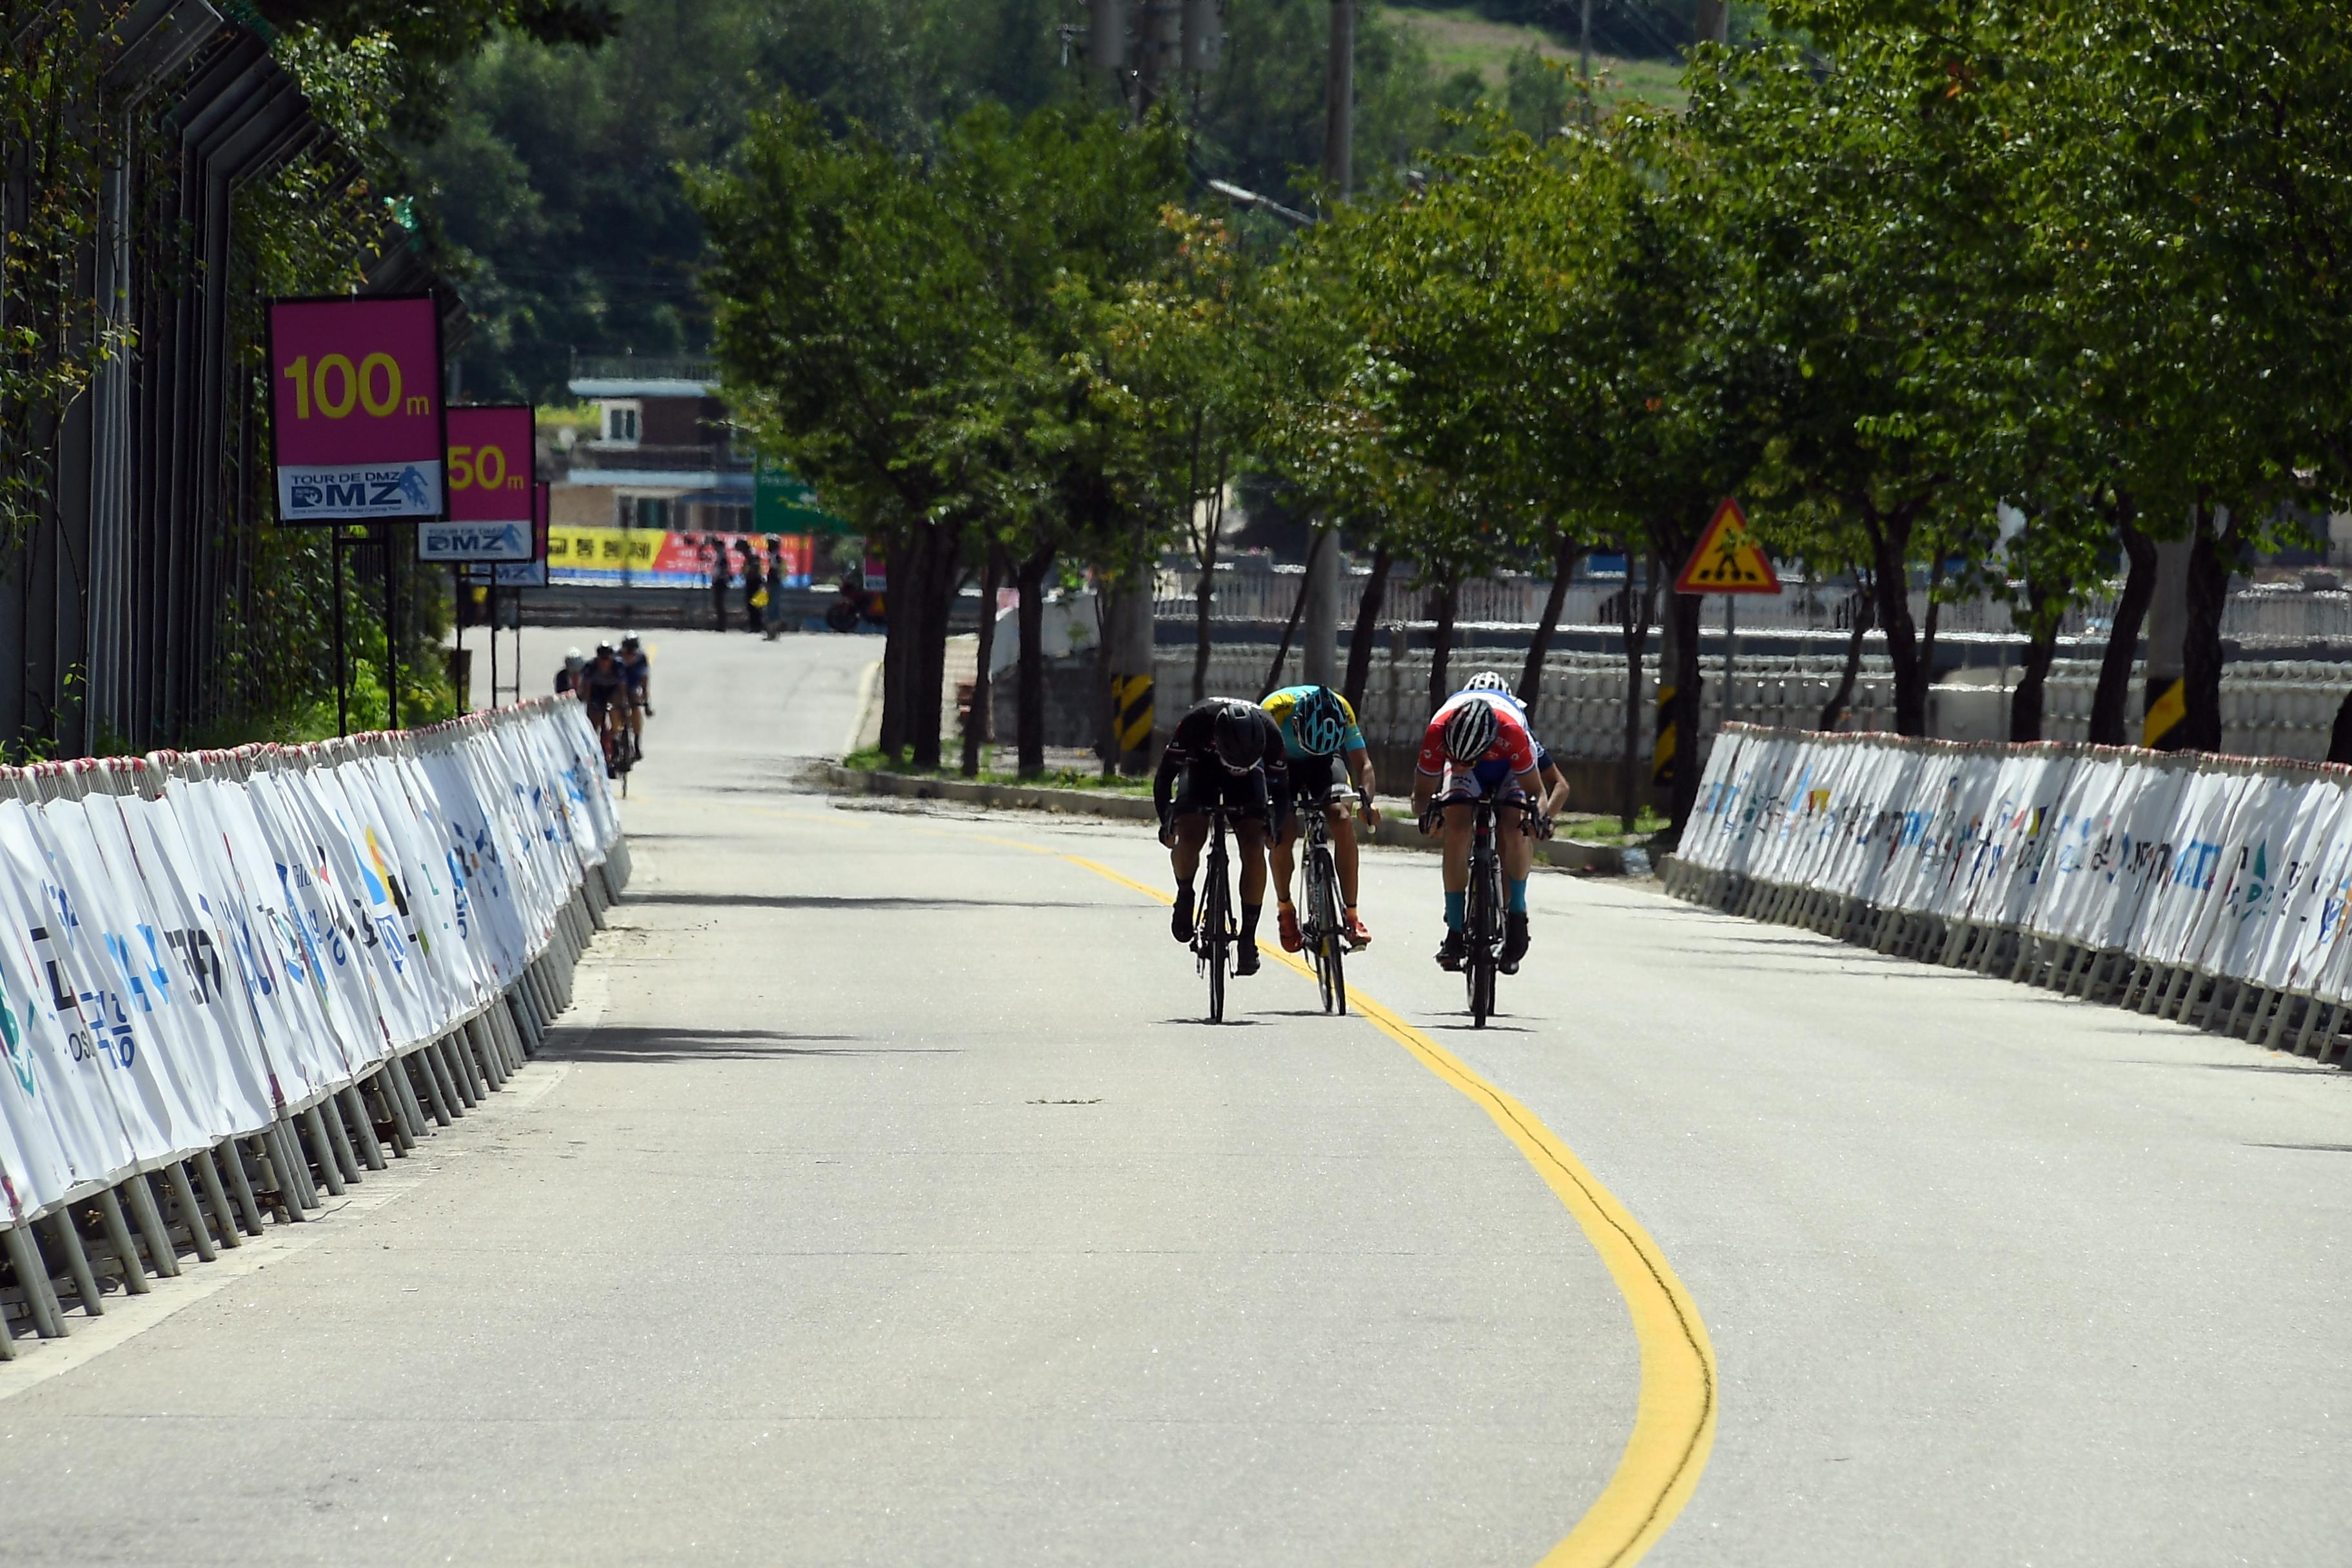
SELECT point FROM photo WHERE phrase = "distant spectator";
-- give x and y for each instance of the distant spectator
(755, 591)
(721, 578)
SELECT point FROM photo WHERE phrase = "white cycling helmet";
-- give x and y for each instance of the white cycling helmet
(573, 659)
(1488, 680)
(1471, 732)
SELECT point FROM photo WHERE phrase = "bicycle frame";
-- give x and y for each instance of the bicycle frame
(1213, 931)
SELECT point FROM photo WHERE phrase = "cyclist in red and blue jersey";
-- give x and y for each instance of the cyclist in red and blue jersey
(1477, 747)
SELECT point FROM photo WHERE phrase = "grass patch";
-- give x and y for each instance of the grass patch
(873, 760)
(1610, 827)
(1459, 41)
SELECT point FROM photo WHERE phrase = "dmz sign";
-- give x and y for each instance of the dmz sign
(363, 490)
(356, 422)
(450, 542)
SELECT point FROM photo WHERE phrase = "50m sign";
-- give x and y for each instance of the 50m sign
(356, 429)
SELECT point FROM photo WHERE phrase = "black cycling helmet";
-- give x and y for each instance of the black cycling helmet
(1240, 743)
(603, 650)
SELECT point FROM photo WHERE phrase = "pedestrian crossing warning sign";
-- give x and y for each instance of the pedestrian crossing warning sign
(1728, 560)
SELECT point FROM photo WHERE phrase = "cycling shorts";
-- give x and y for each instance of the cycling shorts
(1245, 797)
(1490, 780)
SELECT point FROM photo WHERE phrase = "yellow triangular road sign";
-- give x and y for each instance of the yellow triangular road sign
(1728, 560)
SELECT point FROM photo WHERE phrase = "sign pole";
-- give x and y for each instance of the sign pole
(457, 617)
(342, 657)
(491, 604)
(1730, 646)
(391, 631)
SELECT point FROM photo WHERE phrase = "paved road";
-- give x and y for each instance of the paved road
(896, 1209)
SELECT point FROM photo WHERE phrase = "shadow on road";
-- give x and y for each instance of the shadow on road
(832, 901)
(653, 1045)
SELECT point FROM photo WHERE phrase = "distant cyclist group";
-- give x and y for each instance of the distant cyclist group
(1482, 784)
(616, 686)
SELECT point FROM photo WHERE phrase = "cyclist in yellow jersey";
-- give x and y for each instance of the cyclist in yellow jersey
(1319, 729)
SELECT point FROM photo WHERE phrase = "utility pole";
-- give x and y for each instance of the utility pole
(1319, 615)
(1584, 53)
(1713, 23)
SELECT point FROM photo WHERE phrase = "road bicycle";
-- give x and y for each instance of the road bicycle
(1322, 922)
(1213, 933)
(620, 746)
(1482, 914)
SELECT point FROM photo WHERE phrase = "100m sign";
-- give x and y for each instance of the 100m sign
(334, 387)
(356, 425)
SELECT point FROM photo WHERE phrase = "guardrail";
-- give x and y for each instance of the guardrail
(230, 979)
(2211, 890)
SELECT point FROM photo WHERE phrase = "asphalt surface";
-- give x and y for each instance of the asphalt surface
(898, 1207)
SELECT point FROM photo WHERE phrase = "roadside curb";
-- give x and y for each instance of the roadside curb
(1015, 797)
(1570, 854)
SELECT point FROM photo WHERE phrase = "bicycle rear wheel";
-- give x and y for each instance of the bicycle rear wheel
(1216, 930)
(1480, 967)
(1331, 936)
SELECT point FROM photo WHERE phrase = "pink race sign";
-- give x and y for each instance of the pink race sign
(490, 476)
(355, 404)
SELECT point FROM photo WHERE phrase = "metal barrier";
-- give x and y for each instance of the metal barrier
(2205, 888)
(227, 1122)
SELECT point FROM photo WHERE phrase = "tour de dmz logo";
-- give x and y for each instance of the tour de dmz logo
(366, 489)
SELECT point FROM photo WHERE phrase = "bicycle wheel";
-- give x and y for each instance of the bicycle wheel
(1215, 930)
(1480, 967)
(1331, 943)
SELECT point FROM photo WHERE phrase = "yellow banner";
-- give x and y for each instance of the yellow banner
(607, 547)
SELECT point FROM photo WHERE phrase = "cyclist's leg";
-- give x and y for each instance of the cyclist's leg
(1519, 858)
(1339, 815)
(1310, 776)
(1192, 818)
(1248, 796)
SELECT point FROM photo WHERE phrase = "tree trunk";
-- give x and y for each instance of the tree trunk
(1368, 628)
(1298, 607)
(1633, 621)
(1567, 551)
(2113, 699)
(1890, 534)
(2040, 647)
(896, 636)
(1686, 608)
(941, 579)
(1441, 649)
(1030, 578)
(1928, 631)
(2212, 556)
(1865, 607)
(981, 715)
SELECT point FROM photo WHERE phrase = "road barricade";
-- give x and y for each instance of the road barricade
(2207, 889)
(231, 979)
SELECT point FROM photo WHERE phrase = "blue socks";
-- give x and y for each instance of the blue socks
(1515, 902)
(1454, 909)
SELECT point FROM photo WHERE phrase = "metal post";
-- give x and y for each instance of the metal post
(1319, 622)
(33, 1278)
(184, 1199)
(209, 1174)
(342, 658)
(78, 1262)
(2165, 700)
(161, 1254)
(1339, 103)
(1731, 647)
(391, 628)
(491, 604)
(458, 626)
(119, 1242)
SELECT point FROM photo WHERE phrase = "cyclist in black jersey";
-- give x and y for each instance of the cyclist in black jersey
(603, 686)
(1224, 752)
(638, 683)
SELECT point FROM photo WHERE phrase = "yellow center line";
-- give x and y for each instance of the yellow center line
(1674, 1416)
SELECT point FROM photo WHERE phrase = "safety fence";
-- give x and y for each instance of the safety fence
(229, 979)
(2210, 890)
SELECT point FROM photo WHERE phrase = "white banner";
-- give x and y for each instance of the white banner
(2236, 868)
(191, 945)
